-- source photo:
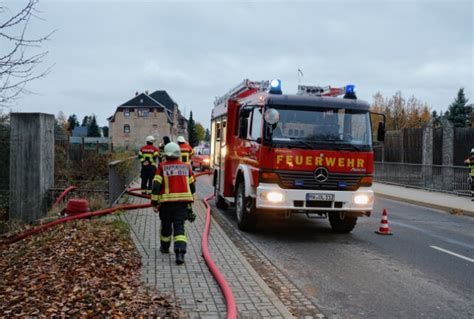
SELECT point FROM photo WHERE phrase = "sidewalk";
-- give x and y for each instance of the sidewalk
(192, 284)
(437, 200)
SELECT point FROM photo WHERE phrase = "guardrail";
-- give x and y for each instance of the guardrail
(450, 179)
(121, 174)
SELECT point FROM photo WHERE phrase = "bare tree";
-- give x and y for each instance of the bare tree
(19, 54)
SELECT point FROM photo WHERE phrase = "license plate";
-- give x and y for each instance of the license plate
(321, 197)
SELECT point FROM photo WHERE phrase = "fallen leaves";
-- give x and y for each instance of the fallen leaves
(88, 269)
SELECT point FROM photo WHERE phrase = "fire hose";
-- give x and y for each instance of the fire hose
(227, 292)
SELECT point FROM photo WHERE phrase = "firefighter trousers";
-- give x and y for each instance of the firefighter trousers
(173, 216)
(147, 175)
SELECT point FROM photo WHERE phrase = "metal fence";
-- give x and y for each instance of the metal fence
(121, 174)
(451, 179)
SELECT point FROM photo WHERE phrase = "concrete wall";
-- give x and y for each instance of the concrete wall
(31, 164)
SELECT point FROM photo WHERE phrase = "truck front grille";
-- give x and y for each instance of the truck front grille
(306, 180)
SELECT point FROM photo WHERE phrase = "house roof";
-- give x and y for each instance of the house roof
(164, 98)
(160, 99)
(143, 100)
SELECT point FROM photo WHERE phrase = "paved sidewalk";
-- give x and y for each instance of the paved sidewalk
(192, 284)
(438, 200)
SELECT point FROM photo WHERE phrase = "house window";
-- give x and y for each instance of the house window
(126, 128)
(126, 113)
(143, 112)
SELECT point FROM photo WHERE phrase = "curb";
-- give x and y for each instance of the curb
(270, 294)
(446, 209)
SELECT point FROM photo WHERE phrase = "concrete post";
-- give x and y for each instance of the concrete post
(31, 164)
(448, 152)
(427, 155)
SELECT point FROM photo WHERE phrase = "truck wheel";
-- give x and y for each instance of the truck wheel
(221, 203)
(245, 211)
(342, 224)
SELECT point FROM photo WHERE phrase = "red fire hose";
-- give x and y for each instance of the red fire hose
(42, 228)
(63, 194)
(228, 295)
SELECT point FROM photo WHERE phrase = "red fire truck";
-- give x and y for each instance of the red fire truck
(309, 152)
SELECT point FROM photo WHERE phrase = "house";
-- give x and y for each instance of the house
(146, 114)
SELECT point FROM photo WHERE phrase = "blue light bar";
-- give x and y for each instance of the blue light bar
(350, 89)
(275, 87)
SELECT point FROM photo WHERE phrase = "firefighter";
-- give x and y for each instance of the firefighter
(186, 150)
(172, 197)
(148, 156)
(166, 140)
(470, 163)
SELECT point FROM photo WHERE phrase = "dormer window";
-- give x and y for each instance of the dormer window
(141, 101)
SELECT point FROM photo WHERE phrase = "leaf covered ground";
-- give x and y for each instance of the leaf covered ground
(85, 269)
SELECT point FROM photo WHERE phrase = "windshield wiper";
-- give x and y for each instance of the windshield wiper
(308, 145)
(348, 146)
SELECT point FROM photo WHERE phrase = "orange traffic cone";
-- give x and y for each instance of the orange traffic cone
(384, 230)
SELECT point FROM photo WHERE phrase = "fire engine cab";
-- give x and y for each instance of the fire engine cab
(309, 152)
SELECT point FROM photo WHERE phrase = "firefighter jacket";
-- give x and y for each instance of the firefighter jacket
(186, 152)
(470, 163)
(148, 153)
(173, 182)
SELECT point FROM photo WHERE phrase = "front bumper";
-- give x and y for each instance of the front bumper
(295, 199)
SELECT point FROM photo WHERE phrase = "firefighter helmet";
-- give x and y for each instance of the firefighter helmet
(472, 151)
(172, 150)
(181, 139)
(150, 139)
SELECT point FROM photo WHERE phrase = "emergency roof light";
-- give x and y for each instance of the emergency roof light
(350, 92)
(275, 87)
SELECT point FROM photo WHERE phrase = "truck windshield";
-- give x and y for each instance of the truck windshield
(331, 128)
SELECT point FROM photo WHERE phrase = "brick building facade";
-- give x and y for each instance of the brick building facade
(146, 114)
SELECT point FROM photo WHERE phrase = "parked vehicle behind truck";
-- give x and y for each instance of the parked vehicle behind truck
(309, 152)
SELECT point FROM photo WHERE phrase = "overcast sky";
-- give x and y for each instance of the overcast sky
(104, 51)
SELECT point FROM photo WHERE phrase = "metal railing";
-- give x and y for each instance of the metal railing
(121, 174)
(450, 179)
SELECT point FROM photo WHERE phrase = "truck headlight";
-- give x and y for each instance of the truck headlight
(362, 199)
(274, 197)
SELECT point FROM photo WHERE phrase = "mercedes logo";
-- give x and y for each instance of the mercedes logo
(321, 174)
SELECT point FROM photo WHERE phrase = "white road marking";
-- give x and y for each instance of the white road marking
(452, 253)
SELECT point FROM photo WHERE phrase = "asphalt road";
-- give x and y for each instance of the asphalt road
(425, 270)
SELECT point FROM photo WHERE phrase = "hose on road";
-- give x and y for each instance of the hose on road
(228, 295)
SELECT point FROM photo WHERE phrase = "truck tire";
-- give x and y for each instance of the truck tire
(342, 224)
(245, 210)
(221, 203)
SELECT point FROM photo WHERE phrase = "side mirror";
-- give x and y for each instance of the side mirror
(381, 132)
(271, 116)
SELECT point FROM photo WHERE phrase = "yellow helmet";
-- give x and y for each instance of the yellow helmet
(172, 150)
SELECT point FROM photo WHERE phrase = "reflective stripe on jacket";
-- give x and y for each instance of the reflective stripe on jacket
(186, 152)
(173, 182)
(470, 163)
(149, 153)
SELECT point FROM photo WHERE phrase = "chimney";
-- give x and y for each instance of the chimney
(136, 93)
(146, 92)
